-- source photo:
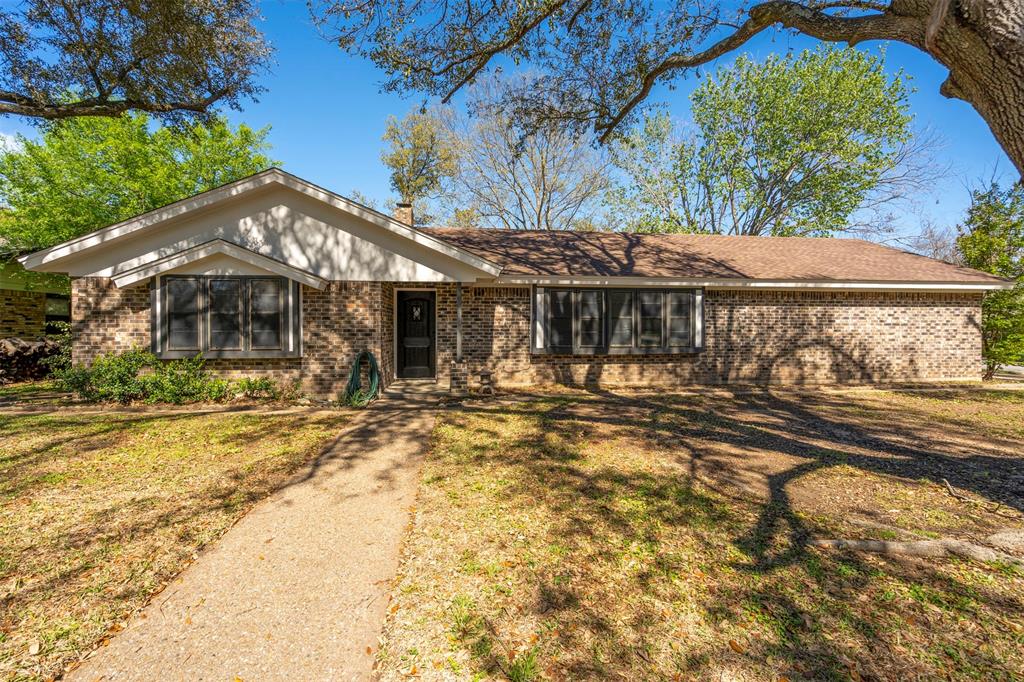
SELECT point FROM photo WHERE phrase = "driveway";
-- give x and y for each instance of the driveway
(298, 589)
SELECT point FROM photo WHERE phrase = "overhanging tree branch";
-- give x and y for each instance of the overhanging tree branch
(809, 20)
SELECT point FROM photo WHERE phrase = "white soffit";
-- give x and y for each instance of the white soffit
(207, 249)
(514, 280)
(237, 188)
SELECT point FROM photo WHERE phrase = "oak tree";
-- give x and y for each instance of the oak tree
(172, 58)
(600, 59)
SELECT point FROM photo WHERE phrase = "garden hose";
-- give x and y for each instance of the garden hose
(354, 393)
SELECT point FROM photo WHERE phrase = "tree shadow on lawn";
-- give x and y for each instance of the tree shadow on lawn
(743, 559)
(92, 529)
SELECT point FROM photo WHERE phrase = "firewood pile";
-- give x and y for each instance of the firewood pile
(22, 360)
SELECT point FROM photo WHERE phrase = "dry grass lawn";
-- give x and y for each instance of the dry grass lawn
(99, 509)
(668, 537)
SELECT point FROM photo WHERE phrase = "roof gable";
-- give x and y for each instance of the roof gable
(207, 249)
(52, 259)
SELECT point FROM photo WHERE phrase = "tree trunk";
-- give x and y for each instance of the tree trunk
(981, 42)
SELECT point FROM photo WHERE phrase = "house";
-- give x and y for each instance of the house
(30, 304)
(273, 275)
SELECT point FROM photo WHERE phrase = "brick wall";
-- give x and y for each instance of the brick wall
(751, 337)
(106, 319)
(337, 322)
(22, 314)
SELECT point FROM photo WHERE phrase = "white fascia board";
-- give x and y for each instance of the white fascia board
(745, 283)
(207, 249)
(239, 187)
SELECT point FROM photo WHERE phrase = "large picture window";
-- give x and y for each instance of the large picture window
(226, 317)
(617, 321)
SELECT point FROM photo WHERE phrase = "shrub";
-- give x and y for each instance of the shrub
(61, 359)
(136, 375)
(113, 378)
(258, 388)
(184, 381)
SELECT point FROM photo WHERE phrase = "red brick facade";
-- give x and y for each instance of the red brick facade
(22, 314)
(750, 337)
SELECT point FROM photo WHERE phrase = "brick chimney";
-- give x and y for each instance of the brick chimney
(403, 213)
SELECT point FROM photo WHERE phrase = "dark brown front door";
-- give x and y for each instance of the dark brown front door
(415, 315)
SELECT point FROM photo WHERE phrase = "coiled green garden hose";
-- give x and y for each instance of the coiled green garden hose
(355, 395)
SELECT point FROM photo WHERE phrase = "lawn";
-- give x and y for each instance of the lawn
(101, 508)
(671, 537)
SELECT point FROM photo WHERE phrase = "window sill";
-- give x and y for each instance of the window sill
(616, 352)
(228, 354)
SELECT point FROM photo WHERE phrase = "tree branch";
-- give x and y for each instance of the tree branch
(805, 19)
(22, 105)
(485, 57)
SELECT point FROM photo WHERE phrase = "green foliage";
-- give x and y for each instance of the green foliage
(177, 58)
(86, 173)
(138, 376)
(111, 378)
(464, 618)
(792, 145)
(417, 155)
(524, 667)
(183, 381)
(258, 388)
(992, 239)
(61, 361)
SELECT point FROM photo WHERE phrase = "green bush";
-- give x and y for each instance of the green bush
(184, 381)
(62, 360)
(136, 375)
(111, 378)
(258, 388)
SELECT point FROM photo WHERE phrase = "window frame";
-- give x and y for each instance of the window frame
(540, 341)
(290, 313)
(200, 317)
(242, 327)
(281, 310)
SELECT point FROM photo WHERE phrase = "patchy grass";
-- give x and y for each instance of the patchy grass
(635, 536)
(31, 393)
(100, 509)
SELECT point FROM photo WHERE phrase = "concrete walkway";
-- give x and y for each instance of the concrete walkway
(297, 590)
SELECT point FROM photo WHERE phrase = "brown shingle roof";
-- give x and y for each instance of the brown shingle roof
(690, 256)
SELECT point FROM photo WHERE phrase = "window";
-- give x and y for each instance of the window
(591, 322)
(265, 315)
(680, 304)
(58, 310)
(620, 319)
(650, 318)
(225, 314)
(560, 320)
(183, 313)
(226, 317)
(617, 321)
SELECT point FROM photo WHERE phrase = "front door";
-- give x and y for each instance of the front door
(415, 316)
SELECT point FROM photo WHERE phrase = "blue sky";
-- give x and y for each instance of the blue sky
(327, 113)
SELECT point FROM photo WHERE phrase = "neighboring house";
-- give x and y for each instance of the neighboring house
(274, 275)
(30, 304)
